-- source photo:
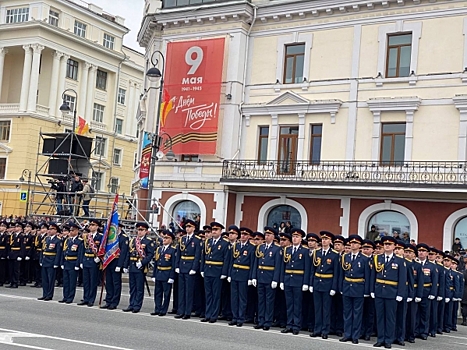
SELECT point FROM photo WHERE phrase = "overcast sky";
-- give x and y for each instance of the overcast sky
(132, 11)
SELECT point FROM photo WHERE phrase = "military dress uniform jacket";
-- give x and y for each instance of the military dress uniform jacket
(123, 244)
(388, 280)
(88, 254)
(441, 280)
(242, 262)
(4, 240)
(325, 270)
(410, 289)
(355, 275)
(38, 239)
(189, 254)
(165, 261)
(51, 254)
(295, 270)
(458, 281)
(215, 260)
(16, 247)
(430, 279)
(72, 253)
(28, 245)
(147, 248)
(267, 264)
(416, 269)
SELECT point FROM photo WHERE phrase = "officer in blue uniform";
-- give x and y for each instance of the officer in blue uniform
(388, 278)
(266, 277)
(355, 287)
(240, 274)
(437, 318)
(324, 278)
(294, 279)
(368, 322)
(414, 268)
(141, 254)
(233, 235)
(401, 312)
(90, 262)
(449, 294)
(38, 240)
(214, 268)
(337, 316)
(164, 273)
(459, 285)
(280, 308)
(16, 253)
(50, 261)
(4, 241)
(430, 289)
(187, 265)
(70, 261)
(114, 270)
(308, 311)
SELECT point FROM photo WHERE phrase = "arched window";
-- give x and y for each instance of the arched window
(284, 213)
(186, 210)
(387, 222)
(461, 232)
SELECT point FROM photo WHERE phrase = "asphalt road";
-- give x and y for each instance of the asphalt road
(26, 323)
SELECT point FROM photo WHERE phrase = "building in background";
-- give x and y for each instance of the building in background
(51, 46)
(333, 116)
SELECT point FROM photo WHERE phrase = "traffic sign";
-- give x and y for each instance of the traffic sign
(23, 196)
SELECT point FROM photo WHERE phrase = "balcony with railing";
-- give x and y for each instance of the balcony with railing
(416, 174)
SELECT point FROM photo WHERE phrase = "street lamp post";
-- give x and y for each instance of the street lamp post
(26, 172)
(65, 107)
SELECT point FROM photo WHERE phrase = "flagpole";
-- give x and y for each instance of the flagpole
(102, 287)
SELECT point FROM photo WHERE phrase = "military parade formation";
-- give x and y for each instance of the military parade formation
(321, 283)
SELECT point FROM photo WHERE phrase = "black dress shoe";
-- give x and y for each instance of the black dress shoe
(128, 309)
(354, 341)
(276, 324)
(339, 334)
(90, 304)
(162, 314)
(22, 284)
(266, 328)
(314, 335)
(173, 312)
(68, 301)
(240, 324)
(411, 341)
(179, 316)
(401, 343)
(186, 317)
(47, 299)
(387, 346)
(82, 303)
(433, 335)
(232, 323)
(204, 320)
(33, 286)
(345, 339)
(378, 345)
(41, 298)
(154, 314)
(423, 337)
(324, 336)
(295, 332)
(286, 330)
(62, 301)
(106, 306)
(111, 307)
(445, 331)
(212, 320)
(366, 337)
(258, 326)
(135, 311)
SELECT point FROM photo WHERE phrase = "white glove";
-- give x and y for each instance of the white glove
(97, 260)
(202, 274)
(372, 295)
(281, 286)
(399, 298)
(26, 258)
(255, 282)
(417, 300)
(55, 266)
(192, 272)
(366, 296)
(447, 300)
(177, 270)
(310, 289)
(170, 281)
(40, 264)
(125, 270)
(273, 284)
(81, 266)
(223, 277)
(62, 267)
(250, 282)
(76, 268)
(19, 258)
(229, 279)
(439, 298)
(139, 265)
(117, 269)
(153, 279)
(305, 288)
(409, 300)
(332, 292)
(431, 297)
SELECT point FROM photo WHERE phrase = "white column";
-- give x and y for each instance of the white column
(301, 137)
(375, 143)
(61, 83)
(408, 136)
(272, 154)
(34, 83)
(23, 102)
(3, 52)
(130, 117)
(84, 87)
(90, 95)
(54, 83)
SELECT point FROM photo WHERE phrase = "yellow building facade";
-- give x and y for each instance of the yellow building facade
(52, 49)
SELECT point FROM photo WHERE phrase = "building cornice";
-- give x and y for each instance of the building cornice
(394, 104)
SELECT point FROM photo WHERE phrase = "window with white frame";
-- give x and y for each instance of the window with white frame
(5, 126)
(119, 126)
(71, 101)
(101, 79)
(121, 96)
(117, 156)
(72, 69)
(98, 113)
(17, 15)
(135, 159)
(98, 176)
(80, 29)
(54, 16)
(109, 41)
(2, 168)
(114, 184)
(99, 150)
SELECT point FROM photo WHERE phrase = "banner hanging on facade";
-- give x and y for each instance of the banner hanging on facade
(191, 96)
(145, 160)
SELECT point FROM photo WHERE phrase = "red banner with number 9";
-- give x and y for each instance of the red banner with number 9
(191, 97)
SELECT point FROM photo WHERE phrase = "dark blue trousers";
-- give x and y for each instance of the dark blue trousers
(226, 300)
(411, 320)
(448, 315)
(385, 319)
(280, 308)
(368, 321)
(293, 300)
(434, 316)
(69, 284)
(353, 314)
(113, 285)
(162, 291)
(90, 277)
(212, 285)
(441, 315)
(186, 284)
(455, 311)
(266, 296)
(322, 312)
(136, 290)
(401, 315)
(238, 297)
(423, 317)
(337, 316)
(48, 282)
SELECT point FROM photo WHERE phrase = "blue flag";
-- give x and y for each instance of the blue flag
(110, 248)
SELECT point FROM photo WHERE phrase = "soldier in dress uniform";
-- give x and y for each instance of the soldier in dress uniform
(294, 279)
(430, 289)
(16, 252)
(337, 316)
(214, 268)
(449, 295)
(141, 254)
(368, 323)
(62, 235)
(432, 255)
(90, 262)
(187, 265)
(240, 274)
(401, 312)
(50, 261)
(70, 262)
(415, 269)
(38, 240)
(164, 273)
(226, 309)
(308, 312)
(266, 277)
(257, 238)
(458, 292)
(114, 270)
(280, 308)
(379, 248)
(355, 287)
(4, 240)
(28, 252)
